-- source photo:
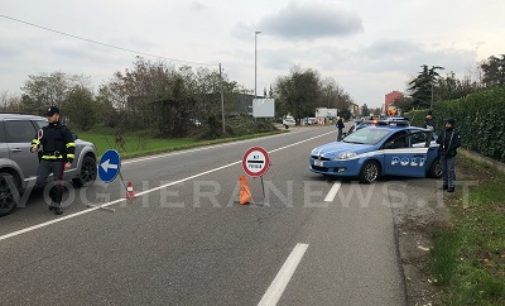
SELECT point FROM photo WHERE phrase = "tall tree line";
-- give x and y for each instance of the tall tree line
(429, 85)
(302, 91)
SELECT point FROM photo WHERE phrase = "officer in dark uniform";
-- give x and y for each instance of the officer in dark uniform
(449, 142)
(58, 152)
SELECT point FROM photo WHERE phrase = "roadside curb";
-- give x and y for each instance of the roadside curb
(483, 159)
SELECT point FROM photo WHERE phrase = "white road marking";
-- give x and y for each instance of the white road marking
(281, 280)
(86, 211)
(333, 192)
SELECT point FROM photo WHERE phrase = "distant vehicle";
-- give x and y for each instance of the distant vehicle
(196, 122)
(19, 165)
(378, 151)
(309, 121)
(288, 121)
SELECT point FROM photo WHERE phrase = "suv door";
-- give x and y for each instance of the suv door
(19, 134)
(406, 154)
(4, 149)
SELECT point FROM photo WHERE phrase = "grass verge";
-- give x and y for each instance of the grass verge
(136, 145)
(468, 257)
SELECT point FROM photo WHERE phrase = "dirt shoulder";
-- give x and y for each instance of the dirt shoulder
(437, 238)
(424, 211)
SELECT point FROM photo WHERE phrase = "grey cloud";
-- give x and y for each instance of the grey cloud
(198, 6)
(404, 56)
(310, 21)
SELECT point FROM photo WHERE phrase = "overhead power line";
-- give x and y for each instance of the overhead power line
(96, 42)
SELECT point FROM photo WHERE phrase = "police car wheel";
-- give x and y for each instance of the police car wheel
(87, 173)
(9, 194)
(435, 169)
(369, 173)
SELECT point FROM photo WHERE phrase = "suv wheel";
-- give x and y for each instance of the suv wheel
(87, 174)
(9, 194)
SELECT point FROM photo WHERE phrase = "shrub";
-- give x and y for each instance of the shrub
(480, 118)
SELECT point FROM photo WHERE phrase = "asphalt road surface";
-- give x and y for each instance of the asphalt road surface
(186, 241)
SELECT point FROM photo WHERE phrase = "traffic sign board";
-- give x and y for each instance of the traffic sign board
(109, 166)
(256, 162)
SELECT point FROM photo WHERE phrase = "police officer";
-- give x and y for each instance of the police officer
(449, 142)
(429, 123)
(340, 127)
(58, 149)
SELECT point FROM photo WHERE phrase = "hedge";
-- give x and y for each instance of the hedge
(480, 118)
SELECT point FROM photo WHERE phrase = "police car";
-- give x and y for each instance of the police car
(376, 151)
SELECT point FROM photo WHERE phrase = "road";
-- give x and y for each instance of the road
(189, 243)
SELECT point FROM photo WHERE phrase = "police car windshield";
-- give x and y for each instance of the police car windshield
(367, 136)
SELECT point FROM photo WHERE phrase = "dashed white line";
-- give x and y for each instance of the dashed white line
(281, 280)
(333, 192)
(89, 210)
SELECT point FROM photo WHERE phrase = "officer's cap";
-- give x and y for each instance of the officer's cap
(52, 110)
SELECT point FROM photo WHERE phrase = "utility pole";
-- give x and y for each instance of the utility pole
(256, 63)
(222, 100)
(431, 106)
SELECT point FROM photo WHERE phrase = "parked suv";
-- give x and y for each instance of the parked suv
(19, 165)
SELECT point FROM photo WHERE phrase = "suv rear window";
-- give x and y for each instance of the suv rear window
(19, 131)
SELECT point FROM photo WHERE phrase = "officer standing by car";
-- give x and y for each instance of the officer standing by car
(449, 142)
(429, 123)
(58, 152)
(340, 127)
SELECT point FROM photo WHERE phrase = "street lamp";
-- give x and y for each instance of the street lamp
(256, 63)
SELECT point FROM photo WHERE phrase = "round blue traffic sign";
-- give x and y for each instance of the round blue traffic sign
(109, 166)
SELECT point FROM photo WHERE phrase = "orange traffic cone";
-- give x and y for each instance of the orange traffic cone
(130, 194)
(245, 191)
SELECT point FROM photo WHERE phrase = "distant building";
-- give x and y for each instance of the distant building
(391, 97)
(355, 110)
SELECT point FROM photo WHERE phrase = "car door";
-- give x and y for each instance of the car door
(19, 135)
(406, 153)
(4, 149)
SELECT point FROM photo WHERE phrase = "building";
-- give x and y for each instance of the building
(391, 97)
(355, 110)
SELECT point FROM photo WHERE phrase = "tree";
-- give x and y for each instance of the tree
(298, 93)
(365, 112)
(403, 103)
(345, 114)
(422, 87)
(81, 108)
(301, 92)
(270, 92)
(9, 103)
(42, 90)
(451, 87)
(494, 71)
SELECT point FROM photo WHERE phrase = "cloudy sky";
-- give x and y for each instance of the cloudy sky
(369, 47)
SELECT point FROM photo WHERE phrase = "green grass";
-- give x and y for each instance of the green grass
(468, 259)
(139, 144)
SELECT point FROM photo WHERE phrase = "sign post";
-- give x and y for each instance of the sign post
(256, 163)
(109, 168)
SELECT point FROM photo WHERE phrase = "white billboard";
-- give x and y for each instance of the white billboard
(263, 108)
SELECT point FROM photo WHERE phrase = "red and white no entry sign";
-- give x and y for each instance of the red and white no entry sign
(256, 162)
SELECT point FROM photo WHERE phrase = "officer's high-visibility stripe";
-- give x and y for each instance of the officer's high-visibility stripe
(36, 142)
(52, 156)
(70, 145)
(72, 156)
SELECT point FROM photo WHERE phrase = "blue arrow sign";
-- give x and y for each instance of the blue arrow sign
(109, 166)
